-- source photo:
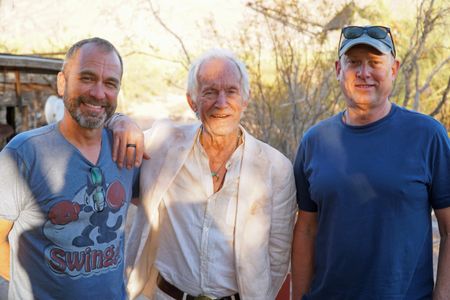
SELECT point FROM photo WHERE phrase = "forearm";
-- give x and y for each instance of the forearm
(114, 119)
(302, 266)
(4, 259)
(5, 228)
(442, 288)
(302, 259)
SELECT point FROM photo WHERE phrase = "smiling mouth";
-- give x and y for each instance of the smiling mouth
(93, 107)
(219, 116)
(364, 86)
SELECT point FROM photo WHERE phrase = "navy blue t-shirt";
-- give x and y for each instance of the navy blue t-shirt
(373, 187)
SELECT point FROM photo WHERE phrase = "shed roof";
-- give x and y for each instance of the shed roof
(32, 64)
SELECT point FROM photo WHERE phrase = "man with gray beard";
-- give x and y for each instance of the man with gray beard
(64, 200)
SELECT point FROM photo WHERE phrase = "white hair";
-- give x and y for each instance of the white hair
(192, 86)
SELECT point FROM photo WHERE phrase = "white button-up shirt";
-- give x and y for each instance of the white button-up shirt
(196, 250)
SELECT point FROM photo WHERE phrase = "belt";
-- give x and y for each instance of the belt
(178, 294)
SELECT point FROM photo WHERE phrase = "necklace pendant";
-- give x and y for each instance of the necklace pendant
(215, 175)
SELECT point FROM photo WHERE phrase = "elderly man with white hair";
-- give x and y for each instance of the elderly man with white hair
(217, 205)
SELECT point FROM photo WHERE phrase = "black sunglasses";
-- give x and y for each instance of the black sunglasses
(376, 32)
(98, 195)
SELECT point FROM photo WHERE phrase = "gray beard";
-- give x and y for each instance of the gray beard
(84, 120)
(90, 122)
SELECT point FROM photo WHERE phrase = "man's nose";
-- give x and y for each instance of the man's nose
(364, 70)
(221, 99)
(98, 91)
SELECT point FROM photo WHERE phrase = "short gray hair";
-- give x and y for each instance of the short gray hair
(102, 43)
(192, 86)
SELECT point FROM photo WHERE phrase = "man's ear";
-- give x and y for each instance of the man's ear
(395, 67)
(191, 103)
(337, 66)
(246, 101)
(61, 84)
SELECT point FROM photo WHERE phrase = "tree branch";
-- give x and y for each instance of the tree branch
(284, 18)
(176, 36)
(130, 53)
(434, 72)
(443, 99)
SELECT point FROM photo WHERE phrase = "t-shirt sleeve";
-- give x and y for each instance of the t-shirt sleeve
(304, 201)
(440, 170)
(13, 184)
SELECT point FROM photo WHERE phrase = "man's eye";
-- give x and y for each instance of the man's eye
(86, 78)
(112, 85)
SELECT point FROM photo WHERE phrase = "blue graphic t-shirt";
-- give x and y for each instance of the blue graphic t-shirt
(69, 216)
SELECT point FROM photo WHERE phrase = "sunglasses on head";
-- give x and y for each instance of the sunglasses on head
(375, 32)
(98, 195)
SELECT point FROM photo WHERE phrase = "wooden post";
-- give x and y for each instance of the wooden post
(23, 108)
